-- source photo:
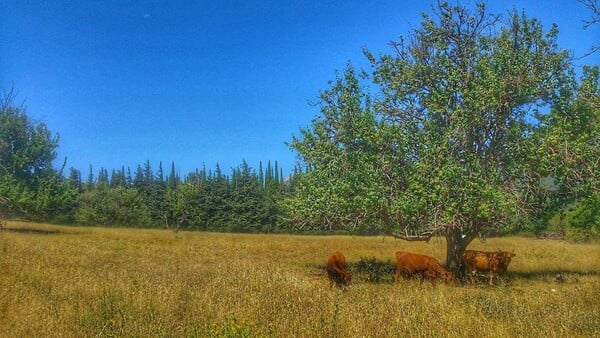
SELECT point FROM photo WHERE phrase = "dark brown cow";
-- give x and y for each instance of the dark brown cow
(336, 270)
(494, 262)
(410, 264)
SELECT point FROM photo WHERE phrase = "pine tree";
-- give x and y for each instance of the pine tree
(128, 179)
(148, 175)
(160, 175)
(103, 178)
(261, 175)
(138, 180)
(90, 180)
(172, 179)
(75, 179)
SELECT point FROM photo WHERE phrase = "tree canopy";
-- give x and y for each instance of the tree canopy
(29, 185)
(446, 143)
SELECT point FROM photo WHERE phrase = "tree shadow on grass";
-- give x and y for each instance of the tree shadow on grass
(376, 271)
(29, 231)
(553, 273)
(552, 276)
(367, 270)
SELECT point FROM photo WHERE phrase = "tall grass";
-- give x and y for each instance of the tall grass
(72, 281)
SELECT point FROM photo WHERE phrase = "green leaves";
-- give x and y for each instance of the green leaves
(117, 206)
(26, 149)
(29, 186)
(568, 149)
(344, 182)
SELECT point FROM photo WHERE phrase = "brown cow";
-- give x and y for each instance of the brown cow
(410, 264)
(494, 262)
(336, 270)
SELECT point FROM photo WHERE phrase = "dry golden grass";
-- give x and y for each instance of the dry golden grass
(75, 281)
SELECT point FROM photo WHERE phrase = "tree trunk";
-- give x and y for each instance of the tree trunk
(456, 244)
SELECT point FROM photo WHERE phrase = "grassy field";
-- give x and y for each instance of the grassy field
(76, 281)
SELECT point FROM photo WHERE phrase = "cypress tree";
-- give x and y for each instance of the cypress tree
(128, 179)
(160, 174)
(75, 179)
(148, 176)
(172, 179)
(268, 174)
(103, 177)
(114, 181)
(90, 180)
(261, 175)
(138, 180)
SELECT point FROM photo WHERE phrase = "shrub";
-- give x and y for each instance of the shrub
(373, 270)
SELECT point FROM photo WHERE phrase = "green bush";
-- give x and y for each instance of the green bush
(373, 270)
(581, 235)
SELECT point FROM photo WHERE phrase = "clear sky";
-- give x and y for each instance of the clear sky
(204, 82)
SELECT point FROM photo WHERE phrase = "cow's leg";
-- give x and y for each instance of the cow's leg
(491, 278)
(421, 278)
(331, 278)
(472, 276)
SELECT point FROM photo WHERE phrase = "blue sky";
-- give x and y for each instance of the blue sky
(204, 82)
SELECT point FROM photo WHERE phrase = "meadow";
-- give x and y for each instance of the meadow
(58, 281)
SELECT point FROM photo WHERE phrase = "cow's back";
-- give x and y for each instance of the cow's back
(494, 262)
(476, 260)
(409, 264)
(336, 259)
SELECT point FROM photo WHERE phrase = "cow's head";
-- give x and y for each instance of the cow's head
(342, 279)
(448, 277)
(508, 256)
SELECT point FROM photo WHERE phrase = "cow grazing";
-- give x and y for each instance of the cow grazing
(410, 264)
(336, 270)
(494, 262)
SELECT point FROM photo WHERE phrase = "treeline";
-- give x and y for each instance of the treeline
(246, 200)
(31, 188)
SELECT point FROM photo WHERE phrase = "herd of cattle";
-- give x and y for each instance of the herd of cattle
(410, 264)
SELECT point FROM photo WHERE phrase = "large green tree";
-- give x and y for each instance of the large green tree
(27, 149)
(29, 185)
(444, 143)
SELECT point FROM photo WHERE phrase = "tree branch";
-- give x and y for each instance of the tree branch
(423, 237)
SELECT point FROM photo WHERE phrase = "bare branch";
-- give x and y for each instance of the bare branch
(595, 8)
(423, 237)
(592, 50)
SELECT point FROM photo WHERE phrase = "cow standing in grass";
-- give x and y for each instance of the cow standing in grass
(336, 270)
(410, 264)
(494, 262)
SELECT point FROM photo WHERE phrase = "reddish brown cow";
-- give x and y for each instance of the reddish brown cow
(336, 270)
(494, 262)
(410, 264)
